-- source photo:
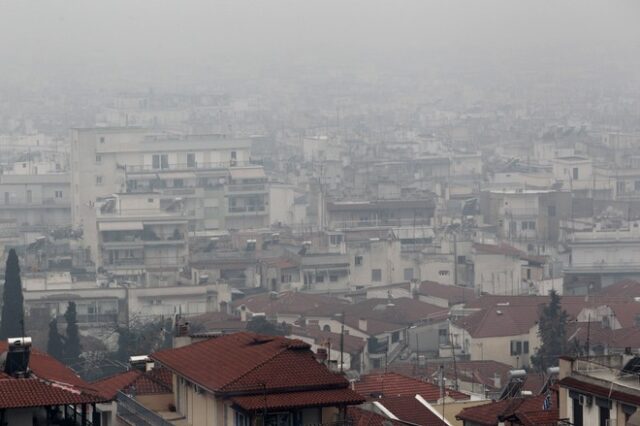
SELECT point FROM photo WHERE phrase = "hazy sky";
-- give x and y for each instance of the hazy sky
(138, 39)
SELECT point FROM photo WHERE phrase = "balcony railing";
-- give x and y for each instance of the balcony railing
(187, 166)
(137, 414)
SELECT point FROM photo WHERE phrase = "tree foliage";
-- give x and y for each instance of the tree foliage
(72, 347)
(55, 345)
(12, 321)
(261, 325)
(143, 338)
(552, 329)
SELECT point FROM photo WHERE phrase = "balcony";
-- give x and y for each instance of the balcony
(247, 210)
(148, 168)
(247, 189)
(134, 413)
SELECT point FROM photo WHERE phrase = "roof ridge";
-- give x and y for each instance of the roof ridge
(254, 368)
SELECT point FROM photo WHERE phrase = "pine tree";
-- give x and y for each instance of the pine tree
(552, 329)
(12, 321)
(55, 346)
(72, 348)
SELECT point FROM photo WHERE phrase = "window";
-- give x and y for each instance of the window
(575, 173)
(101, 139)
(577, 412)
(525, 347)
(160, 161)
(98, 180)
(98, 158)
(335, 239)
(333, 278)
(58, 194)
(516, 347)
(443, 273)
(240, 419)
(528, 225)
(443, 336)
(551, 211)
(29, 196)
(395, 336)
(620, 187)
(358, 260)
(636, 185)
(319, 278)
(7, 198)
(178, 183)
(191, 159)
(376, 275)
(462, 260)
(233, 158)
(408, 274)
(604, 415)
(326, 328)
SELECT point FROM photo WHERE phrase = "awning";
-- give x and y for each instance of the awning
(120, 226)
(247, 173)
(287, 400)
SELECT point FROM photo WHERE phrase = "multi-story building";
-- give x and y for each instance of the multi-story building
(138, 240)
(600, 390)
(602, 257)
(36, 201)
(211, 174)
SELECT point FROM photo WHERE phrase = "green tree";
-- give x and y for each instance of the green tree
(261, 325)
(72, 348)
(552, 329)
(55, 346)
(12, 321)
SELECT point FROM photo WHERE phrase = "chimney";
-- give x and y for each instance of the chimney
(243, 313)
(497, 382)
(362, 324)
(18, 353)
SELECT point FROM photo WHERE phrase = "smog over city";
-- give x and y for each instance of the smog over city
(345, 213)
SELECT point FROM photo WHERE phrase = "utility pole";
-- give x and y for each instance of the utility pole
(342, 344)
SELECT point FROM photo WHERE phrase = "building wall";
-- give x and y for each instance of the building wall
(498, 274)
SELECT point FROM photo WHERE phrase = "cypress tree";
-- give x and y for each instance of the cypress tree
(72, 347)
(55, 347)
(12, 321)
(552, 329)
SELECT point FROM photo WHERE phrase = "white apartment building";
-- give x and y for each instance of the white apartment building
(36, 202)
(211, 174)
(139, 241)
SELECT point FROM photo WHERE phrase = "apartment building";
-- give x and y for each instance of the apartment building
(211, 174)
(600, 390)
(140, 241)
(36, 202)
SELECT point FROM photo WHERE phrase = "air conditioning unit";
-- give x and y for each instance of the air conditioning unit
(585, 400)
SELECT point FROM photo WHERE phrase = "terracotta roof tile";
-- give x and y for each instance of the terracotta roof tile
(247, 362)
(110, 386)
(288, 400)
(393, 384)
(361, 417)
(409, 409)
(157, 381)
(18, 393)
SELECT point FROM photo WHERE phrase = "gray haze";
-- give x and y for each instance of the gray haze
(177, 43)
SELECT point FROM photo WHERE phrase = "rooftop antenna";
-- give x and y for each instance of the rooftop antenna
(342, 343)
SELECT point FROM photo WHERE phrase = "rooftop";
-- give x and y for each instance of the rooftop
(372, 386)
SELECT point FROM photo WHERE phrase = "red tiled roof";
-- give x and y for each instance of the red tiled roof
(50, 383)
(247, 362)
(593, 389)
(288, 400)
(453, 293)
(393, 384)
(524, 410)
(361, 417)
(157, 381)
(500, 321)
(110, 386)
(409, 409)
(626, 288)
(19, 393)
